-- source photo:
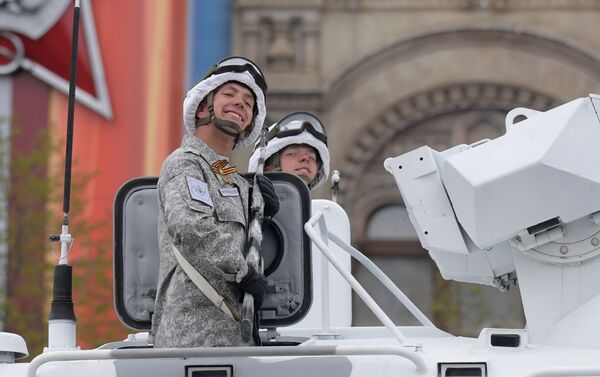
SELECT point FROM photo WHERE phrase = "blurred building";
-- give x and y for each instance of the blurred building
(387, 76)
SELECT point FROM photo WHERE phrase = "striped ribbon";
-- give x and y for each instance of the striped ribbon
(220, 168)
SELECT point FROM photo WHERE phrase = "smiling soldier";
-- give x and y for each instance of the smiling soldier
(296, 144)
(203, 213)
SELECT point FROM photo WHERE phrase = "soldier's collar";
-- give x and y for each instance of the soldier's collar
(196, 146)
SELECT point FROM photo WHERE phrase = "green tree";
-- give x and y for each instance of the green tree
(445, 305)
(34, 210)
(28, 190)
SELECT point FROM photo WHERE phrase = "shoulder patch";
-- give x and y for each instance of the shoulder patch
(198, 190)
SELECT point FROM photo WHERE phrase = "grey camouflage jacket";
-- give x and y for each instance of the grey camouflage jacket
(205, 218)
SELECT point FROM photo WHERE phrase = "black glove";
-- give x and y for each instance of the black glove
(269, 195)
(255, 284)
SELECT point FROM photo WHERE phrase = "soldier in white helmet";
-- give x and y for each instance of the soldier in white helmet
(203, 213)
(296, 144)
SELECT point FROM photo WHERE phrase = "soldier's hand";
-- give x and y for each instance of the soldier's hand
(255, 284)
(269, 196)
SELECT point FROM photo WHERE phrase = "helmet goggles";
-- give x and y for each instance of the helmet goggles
(232, 69)
(296, 123)
(239, 65)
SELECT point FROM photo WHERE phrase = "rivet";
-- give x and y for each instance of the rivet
(595, 241)
(564, 249)
(139, 202)
(140, 253)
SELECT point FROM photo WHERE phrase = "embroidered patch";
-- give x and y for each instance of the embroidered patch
(229, 191)
(199, 190)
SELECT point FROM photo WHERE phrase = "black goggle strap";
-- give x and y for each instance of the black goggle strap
(274, 132)
(258, 78)
(306, 126)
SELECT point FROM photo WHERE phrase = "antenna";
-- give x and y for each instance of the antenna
(61, 321)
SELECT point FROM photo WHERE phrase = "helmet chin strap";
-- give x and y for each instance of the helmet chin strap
(227, 127)
(315, 180)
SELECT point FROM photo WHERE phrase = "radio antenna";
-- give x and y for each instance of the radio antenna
(61, 321)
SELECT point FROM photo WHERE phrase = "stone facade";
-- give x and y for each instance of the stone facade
(387, 76)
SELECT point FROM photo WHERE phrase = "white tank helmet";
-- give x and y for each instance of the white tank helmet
(236, 69)
(299, 127)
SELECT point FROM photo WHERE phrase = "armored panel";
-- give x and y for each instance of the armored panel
(515, 183)
(285, 251)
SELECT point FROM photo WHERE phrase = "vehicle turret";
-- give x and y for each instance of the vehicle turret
(524, 206)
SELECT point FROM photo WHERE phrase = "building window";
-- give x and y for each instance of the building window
(390, 232)
(392, 244)
(391, 223)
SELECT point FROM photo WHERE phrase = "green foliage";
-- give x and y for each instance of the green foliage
(445, 306)
(96, 320)
(464, 309)
(28, 192)
(35, 210)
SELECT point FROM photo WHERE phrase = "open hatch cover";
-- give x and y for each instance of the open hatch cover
(285, 251)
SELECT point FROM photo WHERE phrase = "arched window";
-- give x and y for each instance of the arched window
(389, 231)
(391, 223)
(392, 243)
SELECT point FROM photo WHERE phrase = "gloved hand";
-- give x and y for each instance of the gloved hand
(269, 196)
(255, 284)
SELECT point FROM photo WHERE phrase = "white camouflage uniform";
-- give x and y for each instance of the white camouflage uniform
(210, 237)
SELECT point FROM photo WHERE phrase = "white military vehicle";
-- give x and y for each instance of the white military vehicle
(524, 207)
